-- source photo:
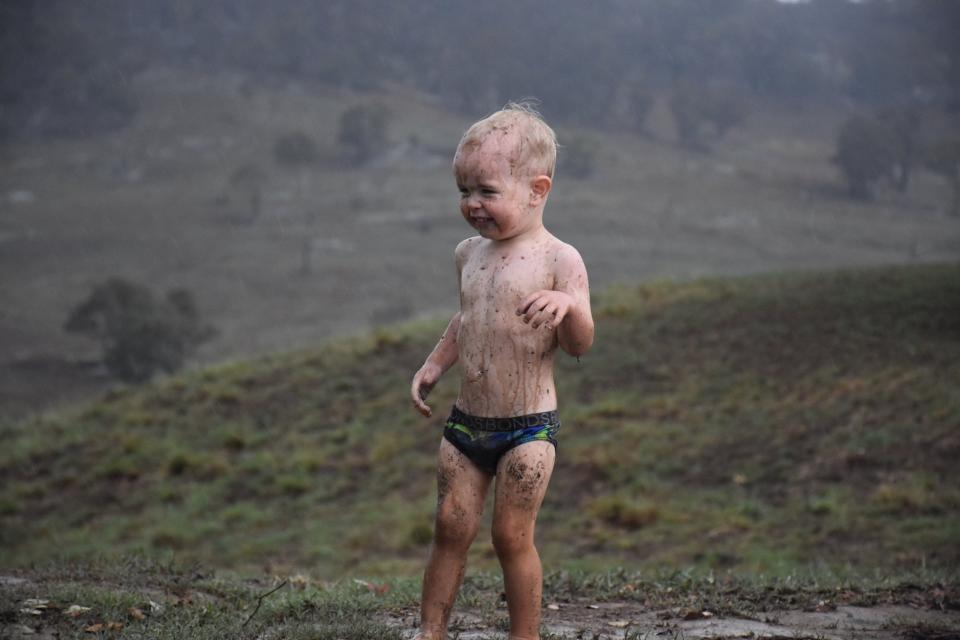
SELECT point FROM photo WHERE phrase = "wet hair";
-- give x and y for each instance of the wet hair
(536, 143)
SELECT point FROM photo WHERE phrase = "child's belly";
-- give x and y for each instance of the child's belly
(506, 367)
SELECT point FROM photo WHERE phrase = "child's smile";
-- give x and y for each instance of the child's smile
(483, 224)
(492, 200)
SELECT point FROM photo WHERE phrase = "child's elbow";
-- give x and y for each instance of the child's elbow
(577, 351)
(578, 346)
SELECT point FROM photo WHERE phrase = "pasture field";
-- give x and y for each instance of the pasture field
(766, 423)
(335, 250)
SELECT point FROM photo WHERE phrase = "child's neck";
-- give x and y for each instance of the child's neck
(534, 232)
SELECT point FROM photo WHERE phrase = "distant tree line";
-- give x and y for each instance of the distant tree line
(889, 144)
(62, 62)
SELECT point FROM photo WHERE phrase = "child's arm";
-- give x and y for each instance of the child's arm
(443, 356)
(447, 352)
(566, 306)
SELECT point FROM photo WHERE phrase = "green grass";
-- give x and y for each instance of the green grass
(140, 598)
(137, 597)
(765, 424)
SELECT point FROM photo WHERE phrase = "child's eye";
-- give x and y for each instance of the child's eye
(488, 192)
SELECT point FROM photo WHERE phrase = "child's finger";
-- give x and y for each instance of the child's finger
(422, 407)
(529, 300)
(417, 394)
(536, 307)
(424, 410)
(547, 315)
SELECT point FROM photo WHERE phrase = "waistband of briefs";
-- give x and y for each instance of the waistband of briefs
(542, 419)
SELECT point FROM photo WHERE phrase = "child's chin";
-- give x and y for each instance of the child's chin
(487, 231)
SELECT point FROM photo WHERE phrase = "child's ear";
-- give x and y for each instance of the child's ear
(540, 187)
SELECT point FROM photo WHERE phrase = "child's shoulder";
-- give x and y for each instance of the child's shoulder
(563, 252)
(467, 245)
(465, 248)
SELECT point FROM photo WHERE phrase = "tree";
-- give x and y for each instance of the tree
(943, 156)
(686, 117)
(866, 151)
(723, 107)
(248, 180)
(139, 334)
(695, 106)
(577, 158)
(295, 149)
(903, 123)
(632, 101)
(363, 133)
(58, 77)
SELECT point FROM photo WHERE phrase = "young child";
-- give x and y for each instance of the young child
(522, 293)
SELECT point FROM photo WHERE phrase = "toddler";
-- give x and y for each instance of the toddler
(523, 292)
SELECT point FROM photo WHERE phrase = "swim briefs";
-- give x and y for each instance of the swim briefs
(485, 440)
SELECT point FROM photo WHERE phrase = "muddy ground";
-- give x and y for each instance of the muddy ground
(618, 620)
(67, 601)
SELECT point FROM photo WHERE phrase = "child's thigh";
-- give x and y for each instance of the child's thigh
(523, 474)
(460, 483)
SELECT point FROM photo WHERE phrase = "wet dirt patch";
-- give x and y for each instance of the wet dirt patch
(619, 620)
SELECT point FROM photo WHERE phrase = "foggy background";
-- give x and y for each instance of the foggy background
(283, 168)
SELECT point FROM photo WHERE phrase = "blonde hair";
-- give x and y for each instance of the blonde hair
(536, 143)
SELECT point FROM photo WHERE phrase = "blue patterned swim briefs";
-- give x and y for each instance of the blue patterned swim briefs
(485, 440)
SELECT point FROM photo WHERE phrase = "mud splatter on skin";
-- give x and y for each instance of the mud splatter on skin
(516, 470)
(528, 480)
(444, 478)
(446, 606)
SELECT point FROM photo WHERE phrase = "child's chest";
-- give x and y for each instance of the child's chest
(503, 279)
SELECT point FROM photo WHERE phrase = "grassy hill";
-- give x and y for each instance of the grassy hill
(166, 201)
(762, 423)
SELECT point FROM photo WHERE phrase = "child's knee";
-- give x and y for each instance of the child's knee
(511, 541)
(455, 526)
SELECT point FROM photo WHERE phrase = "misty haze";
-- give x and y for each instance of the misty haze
(203, 203)
(143, 140)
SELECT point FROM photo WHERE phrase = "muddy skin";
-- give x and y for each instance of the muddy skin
(448, 606)
(461, 490)
(496, 345)
(522, 481)
(506, 343)
(460, 514)
(528, 480)
(444, 477)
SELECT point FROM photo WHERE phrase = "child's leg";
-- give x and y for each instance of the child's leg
(461, 490)
(522, 477)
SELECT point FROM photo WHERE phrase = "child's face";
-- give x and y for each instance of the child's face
(495, 199)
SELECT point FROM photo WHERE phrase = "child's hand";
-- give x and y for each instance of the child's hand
(545, 307)
(423, 383)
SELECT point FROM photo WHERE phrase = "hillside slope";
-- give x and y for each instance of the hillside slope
(762, 423)
(158, 202)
